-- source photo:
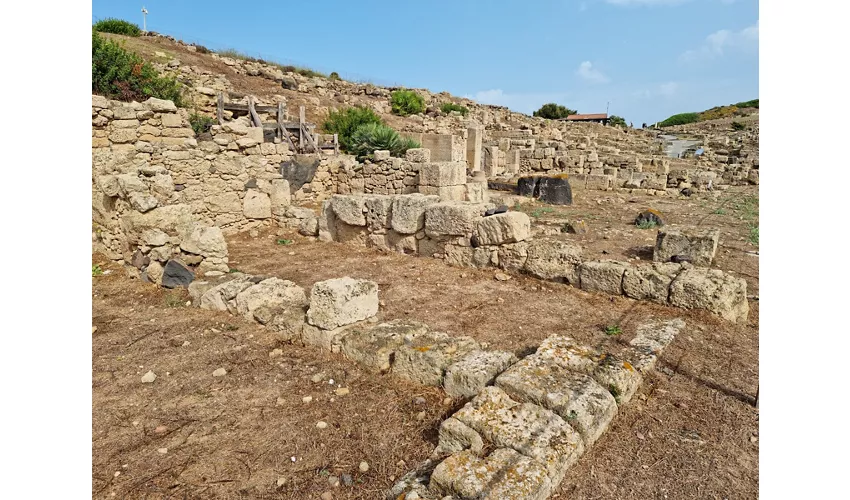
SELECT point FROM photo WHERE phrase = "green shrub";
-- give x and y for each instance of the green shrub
(748, 104)
(617, 121)
(201, 49)
(96, 270)
(680, 119)
(334, 76)
(200, 123)
(117, 26)
(554, 111)
(374, 136)
(345, 122)
(286, 68)
(407, 102)
(448, 107)
(123, 75)
(738, 126)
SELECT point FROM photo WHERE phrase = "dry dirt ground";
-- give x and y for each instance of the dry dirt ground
(692, 431)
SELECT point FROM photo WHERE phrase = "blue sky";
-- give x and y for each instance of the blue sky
(648, 58)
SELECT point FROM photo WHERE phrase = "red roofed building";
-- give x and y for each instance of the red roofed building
(593, 117)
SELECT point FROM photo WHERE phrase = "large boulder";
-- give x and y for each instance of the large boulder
(697, 247)
(453, 218)
(555, 190)
(207, 241)
(269, 298)
(342, 301)
(713, 290)
(256, 205)
(175, 274)
(510, 227)
(650, 282)
(350, 209)
(603, 276)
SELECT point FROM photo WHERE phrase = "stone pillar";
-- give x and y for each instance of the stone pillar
(491, 161)
(473, 148)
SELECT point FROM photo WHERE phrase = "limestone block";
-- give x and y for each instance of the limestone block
(99, 102)
(651, 339)
(418, 155)
(378, 212)
(650, 282)
(350, 209)
(603, 276)
(381, 155)
(160, 105)
(713, 290)
(207, 241)
(455, 436)
(464, 256)
(374, 348)
(256, 205)
(531, 430)
(154, 237)
(224, 203)
(452, 218)
(554, 259)
(172, 219)
(123, 135)
(587, 406)
(327, 222)
(402, 243)
(698, 246)
(142, 202)
(618, 376)
(342, 301)
(445, 193)
(124, 113)
(504, 474)
(425, 358)
(599, 181)
(330, 340)
(309, 227)
(221, 297)
(508, 227)
(468, 375)
(171, 120)
(272, 295)
(477, 192)
(512, 256)
(279, 196)
(441, 174)
(125, 123)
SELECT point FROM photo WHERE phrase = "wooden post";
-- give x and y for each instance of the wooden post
(255, 118)
(301, 127)
(336, 144)
(280, 130)
(219, 111)
(757, 398)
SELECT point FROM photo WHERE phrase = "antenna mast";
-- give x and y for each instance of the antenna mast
(144, 19)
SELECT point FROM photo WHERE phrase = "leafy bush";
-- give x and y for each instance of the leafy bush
(554, 111)
(345, 122)
(200, 123)
(286, 68)
(448, 107)
(201, 49)
(407, 102)
(680, 119)
(748, 104)
(117, 26)
(123, 75)
(618, 121)
(374, 136)
(334, 76)
(738, 126)
(718, 112)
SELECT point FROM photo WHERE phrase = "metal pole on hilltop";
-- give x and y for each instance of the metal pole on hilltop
(144, 19)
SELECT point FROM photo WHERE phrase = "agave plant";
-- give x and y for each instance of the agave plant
(370, 137)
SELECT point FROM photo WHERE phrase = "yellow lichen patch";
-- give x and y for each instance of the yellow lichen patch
(654, 211)
(561, 176)
(424, 348)
(628, 366)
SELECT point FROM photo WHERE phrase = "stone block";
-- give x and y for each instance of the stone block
(175, 274)
(650, 282)
(531, 430)
(699, 247)
(509, 227)
(618, 376)
(465, 256)
(445, 193)
(599, 181)
(378, 212)
(512, 256)
(221, 297)
(712, 290)
(425, 357)
(207, 241)
(268, 298)
(651, 339)
(455, 436)
(280, 196)
(374, 347)
(381, 155)
(471, 373)
(160, 105)
(504, 474)
(351, 235)
(452, 218)
(171, 120)
(418, 155)
(554, 259)
(256, 205)
(587, 406)
(350, 209)
(342, 301)
(441, 174)
(329, 340)
(123, 135)
(603, 276)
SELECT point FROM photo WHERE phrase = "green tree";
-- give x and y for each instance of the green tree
(554, 111)
(617, 121)
(344, 122)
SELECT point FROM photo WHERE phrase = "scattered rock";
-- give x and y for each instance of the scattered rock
(419, 401)
(176, 274)
(317, 377)
(342, 391)
(148, 377)
(347, 480)
(321, 425)
(307, 399)
(219, 372)
(327, 495)
(161, 429)
(502, 277)
(576, 227)
(333, 481)
(649, 215)
(364, 467)
(275, 353)
(163, 451)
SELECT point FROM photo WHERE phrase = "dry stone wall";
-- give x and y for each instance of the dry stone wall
(460, 233)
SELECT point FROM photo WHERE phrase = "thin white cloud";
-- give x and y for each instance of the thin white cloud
(722, 41)
(587, 72)
(667, 89)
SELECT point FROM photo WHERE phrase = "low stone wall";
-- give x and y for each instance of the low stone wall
(460, 233)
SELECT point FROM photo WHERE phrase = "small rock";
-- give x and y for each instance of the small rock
(163, 451)
(185, 343)
(419, 401)
(275, 353)
(342, 391)
(463, 275)
(280, 401)
(347, 480)
(306, 399)
(420, 415)
(148, 377)
(281, 481)
(317, 377)
(93, 329)
(330, 381)
(501, 277)
(382, 303)
(412, 496)
(321, 425)
(447, 401)
(327, 495)
(364, 467)
(253, 233)
(161, 429)
(220, 372)
(117, 473)
(333, 481)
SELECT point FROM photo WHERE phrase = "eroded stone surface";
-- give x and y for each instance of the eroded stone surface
(270, 297)
(453, 218)
(375, 347)
(502, 475)
(468, 375)
(711, 289)
(553, 259)
(425, 357)
(342, 301)
(510, 227)
(603, 276)
(587, 406)
(651, 339)
(408, 212)
(650, 282)
(699, 246)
